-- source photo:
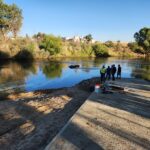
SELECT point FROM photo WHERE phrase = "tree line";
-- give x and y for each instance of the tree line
(11, 21)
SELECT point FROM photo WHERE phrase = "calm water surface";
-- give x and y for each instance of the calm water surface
(37, 75)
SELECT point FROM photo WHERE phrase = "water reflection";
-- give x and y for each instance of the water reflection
(15, 71)
(55, 74)
(53, 70)
(142, 71)
(13, 74)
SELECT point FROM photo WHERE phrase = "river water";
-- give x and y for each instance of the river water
(30, 76)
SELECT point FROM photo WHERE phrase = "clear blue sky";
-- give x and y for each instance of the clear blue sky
(104, 19)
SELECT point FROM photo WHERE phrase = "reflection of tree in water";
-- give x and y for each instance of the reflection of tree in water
(140, 68)
(15, 71)
(99, 61)
(29, 65)
(142, 71)
(53, 70)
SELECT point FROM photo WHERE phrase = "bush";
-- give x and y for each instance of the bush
(51, 44)
(136, 48)
(100, 50)
(20, 44)
(24, 54)
(86, 49)
(109, 44)
(30, 47)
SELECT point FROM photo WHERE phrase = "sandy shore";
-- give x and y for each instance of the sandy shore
(30, 120)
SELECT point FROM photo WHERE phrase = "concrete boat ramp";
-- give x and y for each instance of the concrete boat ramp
(118, 121)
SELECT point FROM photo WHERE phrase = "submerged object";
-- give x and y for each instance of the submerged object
(74, 66)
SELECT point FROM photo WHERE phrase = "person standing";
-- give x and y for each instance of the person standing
(113, 71)
(103, 72)
(108, 73)
(119, 72)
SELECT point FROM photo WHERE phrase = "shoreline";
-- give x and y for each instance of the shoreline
(58, 57)
(30, 120)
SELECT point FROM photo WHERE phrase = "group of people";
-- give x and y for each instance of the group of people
(110, 72)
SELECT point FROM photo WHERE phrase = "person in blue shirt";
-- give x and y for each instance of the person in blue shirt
(108, 73)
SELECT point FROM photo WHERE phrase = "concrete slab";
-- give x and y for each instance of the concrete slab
(119, 121)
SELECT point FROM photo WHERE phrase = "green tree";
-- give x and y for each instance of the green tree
(88, 38)
(143, 39)
(10, 19)
(15, 21)
(136, 48)
(109, 44)
(100, 50)
(4, 17)
(39, 36)
(51, 44)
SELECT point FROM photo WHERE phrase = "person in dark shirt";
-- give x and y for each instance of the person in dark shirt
(113, 72)
(108, 73)
(119, 72)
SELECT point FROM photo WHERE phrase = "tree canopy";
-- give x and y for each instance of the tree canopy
(143, 39)
(10, 19)
(51, 44)
(100, 50)
(88, 37)
(136, 48)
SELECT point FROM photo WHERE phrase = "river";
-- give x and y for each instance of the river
(30, 76)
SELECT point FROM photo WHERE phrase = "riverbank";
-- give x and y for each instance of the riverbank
(33, 48)
(30, 120)
(116, 120)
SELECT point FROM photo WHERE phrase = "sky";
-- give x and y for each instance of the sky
(104, 19)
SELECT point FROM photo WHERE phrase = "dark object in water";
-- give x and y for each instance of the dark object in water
(74, 66)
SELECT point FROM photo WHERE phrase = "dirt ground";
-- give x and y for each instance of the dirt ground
(110, 121)
(29, 121)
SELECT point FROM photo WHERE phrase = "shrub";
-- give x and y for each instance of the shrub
(51, 44)
(31, 47)
(109, 44)
(86, 49)
(100, 50)
(136, 48)
(20, 44)
(24, 54)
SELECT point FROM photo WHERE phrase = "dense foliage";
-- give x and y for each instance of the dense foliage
(136, 48)
(88, 37)
(10, 19)
(51, 44)
(100, 50)
(143, 39)
(109, 44)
